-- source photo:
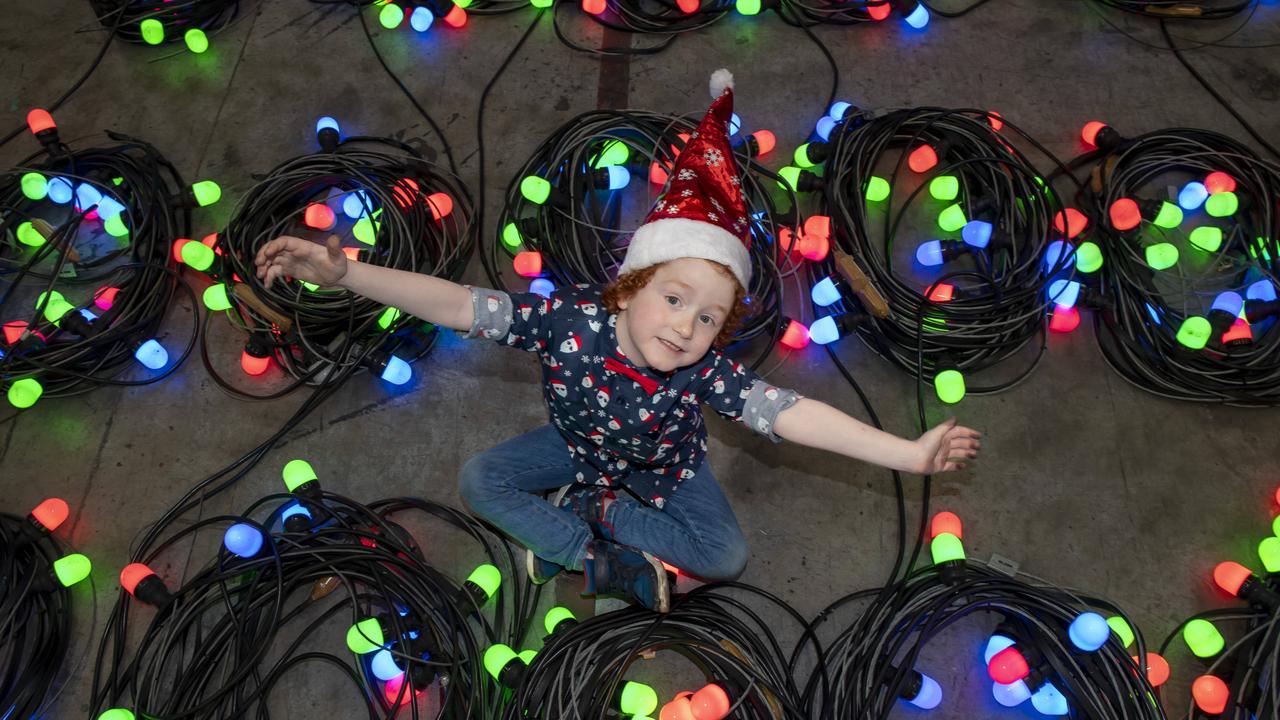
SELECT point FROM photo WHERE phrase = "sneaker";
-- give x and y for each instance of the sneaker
(588, 503)
(539, 570)
(622, 570)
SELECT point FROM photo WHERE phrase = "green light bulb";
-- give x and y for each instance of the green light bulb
(1269, 553)
(117, 714)
(877, 189)
(207, 192)
(215, 298)
(1170, 216)
(1162, 256)
(152, 31)
(535, 189)
(496, 657)
(197, 256)
(1203, 638)
(197, 41)
(25, 392)
(790, 177)
(555, 616)
(527, 656)
(310, 286)
(1088, 257)
(637, 699)
(614, 152)
(946, 548)
(34, 186)
(1275, 526)
(391, 16)
(950, 386)
(115, 226)
(1207, 238)
(540, 4)
(71, 569)
(1194, 332)
(1121, 628)
(487, 578)
(748, 7)
(28, 235)
(297, 473)
(934, 322)
(801, 156)
(56, 307)
(511, 236)
(464, 4)
(952, 218)
(388, 317)
(365, 230)
(944, 187)
(1223, 204)
(365, 636)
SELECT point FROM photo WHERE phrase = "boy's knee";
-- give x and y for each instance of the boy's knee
(723, 564)
(473, 482)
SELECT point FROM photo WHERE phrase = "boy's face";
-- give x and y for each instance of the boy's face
(672, 321)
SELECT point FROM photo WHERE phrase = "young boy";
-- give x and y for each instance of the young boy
(626, 370)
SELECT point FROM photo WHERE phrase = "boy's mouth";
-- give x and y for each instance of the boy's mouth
(671, 346)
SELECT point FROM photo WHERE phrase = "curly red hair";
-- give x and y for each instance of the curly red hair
(628, 284)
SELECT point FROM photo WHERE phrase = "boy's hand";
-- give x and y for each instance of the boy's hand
(323, 265)
(947, 447)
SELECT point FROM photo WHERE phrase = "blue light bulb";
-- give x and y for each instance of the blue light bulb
(356, 204)
(825, 292)
(84, 313)
(735, 124)
(294, 508)
(824, 330)
(1011, 695)
(919, 18)
(1089, 631)
(977, 233)
(1048, 701)
(824, 127)
(397, 371)
(930, 694)
(60, 191)
(929, 253)
(1228, 302)
(838, 109)
(1054, 254)
(619, 177)
(384, 666)
(109, 207)
(151, 354)
(87, 196)
(995, 644)
(327, 122)
(543, 287)
(1064, 293)
(243, 539)
(1193, 195)
(1155, 315)
(420, 19)
(1263, 290)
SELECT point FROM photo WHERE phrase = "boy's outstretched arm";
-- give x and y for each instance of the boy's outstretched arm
(816, 424)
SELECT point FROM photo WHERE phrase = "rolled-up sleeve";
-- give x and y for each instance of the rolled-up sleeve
(521, 320)
(737, 392)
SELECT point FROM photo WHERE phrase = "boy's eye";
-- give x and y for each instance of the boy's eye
(673, 300)
(707, 320)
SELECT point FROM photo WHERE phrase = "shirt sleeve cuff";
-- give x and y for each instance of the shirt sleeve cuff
(764, 402)
(492, 310)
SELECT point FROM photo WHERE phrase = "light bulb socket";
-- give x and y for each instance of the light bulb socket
(818, 152)
(152, 591)
(1257, 311)
(328, 139)
(1094, 299)
(1108, 139)
(951, 572)
(809, 182)
(1255, 592)
(472, 595)
(911, 685)
(512, 673)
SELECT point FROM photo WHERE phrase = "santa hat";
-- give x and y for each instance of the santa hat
(702, 214)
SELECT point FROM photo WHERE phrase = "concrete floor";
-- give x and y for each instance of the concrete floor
(1085, 480)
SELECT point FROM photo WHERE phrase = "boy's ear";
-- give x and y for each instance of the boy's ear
(623, 302)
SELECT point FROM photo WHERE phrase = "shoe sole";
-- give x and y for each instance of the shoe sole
(662, 599)
(530, 562)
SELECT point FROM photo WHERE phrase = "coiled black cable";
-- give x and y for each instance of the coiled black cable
(142, 22)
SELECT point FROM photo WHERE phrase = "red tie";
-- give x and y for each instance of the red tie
(649, 384)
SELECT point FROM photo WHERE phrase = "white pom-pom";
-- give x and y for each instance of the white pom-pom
(721, 80)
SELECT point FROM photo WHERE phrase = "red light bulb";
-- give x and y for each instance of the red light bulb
(942, 292)
(105, 297)
(39, 121)
(319, 216)
(456, 17)
(1210, 693)
(405, 190)
(1230, 576)
(595, 7)
(1090, 132)
(528, 263)
(132, 574)
(657, 174)
(765, 141)
(177, 248)
(441, 205)
(679, 708)
(922, 159)
(351, 253)
(1008, 666)
(211, 241)
(13, 333)
(1157, 669)
(252, 364)
(813, 247)
(1125, 214)
(51, 513)
(1071, 220)
(796, 336)
(688, 7)
(995, 119)
(710, 703)
(1219, 182)
(1240, 331)
(946, 522)
(879, 12)
(1064, 319)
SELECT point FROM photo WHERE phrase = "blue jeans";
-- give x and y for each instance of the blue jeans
(696, 530)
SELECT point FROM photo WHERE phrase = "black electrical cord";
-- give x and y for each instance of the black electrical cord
(86, 277)
(580, 231)
(1170, 283)
(144, 22)
(390, 207)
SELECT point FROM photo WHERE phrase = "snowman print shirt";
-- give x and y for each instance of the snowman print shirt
(627, 427)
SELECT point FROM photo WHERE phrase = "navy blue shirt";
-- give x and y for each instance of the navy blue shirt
(625, 426)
